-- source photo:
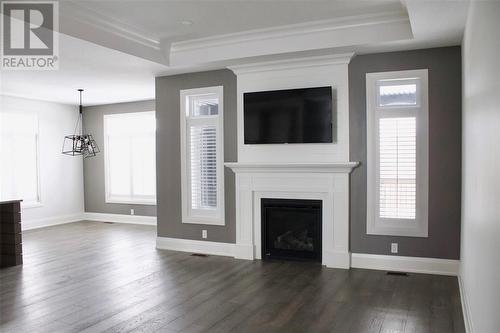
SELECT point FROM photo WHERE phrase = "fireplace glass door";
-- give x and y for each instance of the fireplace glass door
(291, 229)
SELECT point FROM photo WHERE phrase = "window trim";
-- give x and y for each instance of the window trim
(398, 227)
(117, 199)
(188, 215)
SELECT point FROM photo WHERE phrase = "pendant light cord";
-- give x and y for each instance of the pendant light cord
(80, 115)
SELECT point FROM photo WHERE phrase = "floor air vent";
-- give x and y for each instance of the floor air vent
(397, 273)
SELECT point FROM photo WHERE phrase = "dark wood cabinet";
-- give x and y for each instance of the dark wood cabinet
(11, 247)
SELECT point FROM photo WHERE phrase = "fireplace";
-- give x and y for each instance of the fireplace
(326, 182)
(291, 229)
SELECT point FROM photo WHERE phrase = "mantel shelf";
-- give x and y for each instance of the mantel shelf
(339, 167)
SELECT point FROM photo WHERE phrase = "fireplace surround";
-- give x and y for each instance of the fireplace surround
(295, 171)
(326, 182)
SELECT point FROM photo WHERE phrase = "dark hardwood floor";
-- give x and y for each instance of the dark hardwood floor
(99, 277)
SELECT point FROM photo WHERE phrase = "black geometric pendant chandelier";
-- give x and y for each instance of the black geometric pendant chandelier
(80, 143)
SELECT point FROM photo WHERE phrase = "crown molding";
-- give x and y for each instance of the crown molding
(85, 15)
(83, 21)
(338, 32)
(335, 59)
(290, 30)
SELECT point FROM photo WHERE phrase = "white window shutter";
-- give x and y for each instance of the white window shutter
(203, 147)
(397, 165)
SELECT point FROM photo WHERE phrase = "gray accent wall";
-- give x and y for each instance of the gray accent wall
(93, 168)
(168, 155)
(444, 65)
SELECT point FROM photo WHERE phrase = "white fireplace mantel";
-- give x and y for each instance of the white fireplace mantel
(345, 167)
(328, 182)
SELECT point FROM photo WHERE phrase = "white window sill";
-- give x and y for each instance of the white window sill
(403, 231)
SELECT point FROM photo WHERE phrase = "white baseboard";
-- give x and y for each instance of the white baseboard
(50, 221)
(57, 220)
(465, 306)
(195, 246)
(243, 251)
(406, 264)
(336, 259)
(120, 218)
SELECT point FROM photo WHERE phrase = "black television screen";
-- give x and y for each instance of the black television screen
(288, 116)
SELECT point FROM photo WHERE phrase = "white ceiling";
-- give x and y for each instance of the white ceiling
(115, 38)
(107, 76)
(437, 21)
(162, 20)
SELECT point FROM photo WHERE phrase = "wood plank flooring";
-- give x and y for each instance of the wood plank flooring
(99, 277)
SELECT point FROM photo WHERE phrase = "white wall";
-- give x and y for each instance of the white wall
(480, 246)
(61, 176)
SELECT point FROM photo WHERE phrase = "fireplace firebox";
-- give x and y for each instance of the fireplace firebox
(291, 229)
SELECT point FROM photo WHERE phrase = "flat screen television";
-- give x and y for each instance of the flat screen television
(288, 116)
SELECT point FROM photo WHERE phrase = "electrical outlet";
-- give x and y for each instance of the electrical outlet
(394, 247)
(204, 234)
(132, 211)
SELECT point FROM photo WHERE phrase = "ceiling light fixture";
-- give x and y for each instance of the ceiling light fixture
(80, 143)
(187, 22)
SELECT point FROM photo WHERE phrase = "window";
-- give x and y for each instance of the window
(397, 155)
(130, 158)
(202, 156)
(19, 174)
